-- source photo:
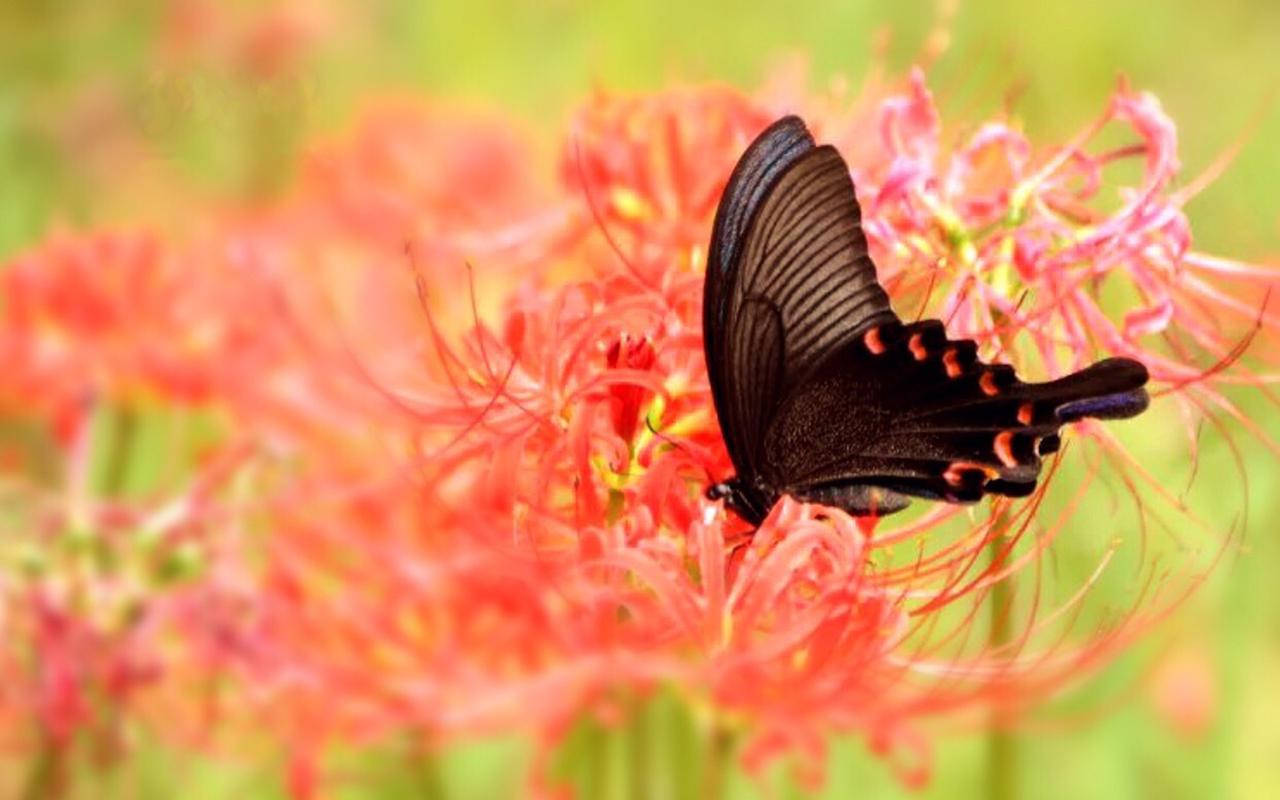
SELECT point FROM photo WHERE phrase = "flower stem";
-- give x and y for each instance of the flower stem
(715, 770)
(48, 778)
(125, 428)
(595, 782)
(427, 779)
(639, 757)
(1002, 746)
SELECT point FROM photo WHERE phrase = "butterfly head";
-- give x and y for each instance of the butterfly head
(751, 501)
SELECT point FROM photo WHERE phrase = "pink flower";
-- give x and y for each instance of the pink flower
(459, 185)
(1184, 692)
(100, 605)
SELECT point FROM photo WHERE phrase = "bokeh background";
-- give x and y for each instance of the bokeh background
(144, 112)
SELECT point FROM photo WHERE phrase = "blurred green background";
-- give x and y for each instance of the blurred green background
(99, 121)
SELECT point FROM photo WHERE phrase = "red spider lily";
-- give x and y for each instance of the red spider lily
(606, 575)
(1015, 247)
(494, 520)
(104, 316)
(628, 352)
(650, 170)
(458, 185)
(240, 319)
(126, 321)
(100, 599)
(263, 44)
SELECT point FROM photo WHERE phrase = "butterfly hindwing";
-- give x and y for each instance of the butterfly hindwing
(911, 411)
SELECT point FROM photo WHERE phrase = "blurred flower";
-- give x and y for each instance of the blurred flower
(472, 496)
(1184, 691)
(1016, 248)
(101, 316)
(559, 570)
(99, 597)
(458, 185)
(262, 43)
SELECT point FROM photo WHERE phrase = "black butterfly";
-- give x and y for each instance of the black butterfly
(822, 391)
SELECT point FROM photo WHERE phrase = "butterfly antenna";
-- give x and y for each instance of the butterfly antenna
(965, 288)
(664, 437)
(1009, 316)
(928, 293)
(682, 448)
(1022, 298)
(598, 217)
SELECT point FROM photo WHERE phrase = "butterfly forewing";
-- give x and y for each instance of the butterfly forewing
(798, 285)
(756, 172)
(805, 256)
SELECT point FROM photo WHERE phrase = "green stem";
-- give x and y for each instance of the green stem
(1002, 746)
(48, 777)
(639, 757)
(426, 769)
(715, 775)
(116, 470)
(595, 780)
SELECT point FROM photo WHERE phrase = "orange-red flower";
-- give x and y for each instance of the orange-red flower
(563, 447)
(481, 509)
(104, 316)
(115, 612)
(458, 185)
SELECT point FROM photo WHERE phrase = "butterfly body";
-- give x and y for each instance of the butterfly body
(823, 393)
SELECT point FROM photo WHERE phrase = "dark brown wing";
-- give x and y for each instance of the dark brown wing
(776, 148)
(798, 287)
(911, 411)
(823, 393)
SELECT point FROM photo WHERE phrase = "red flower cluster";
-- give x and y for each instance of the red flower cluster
(474, 511)
(563, 449)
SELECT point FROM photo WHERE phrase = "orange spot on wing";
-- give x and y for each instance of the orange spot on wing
(954, 370)
(917, 348)
(956, 472)
(1004, 449)
(1025, 413)
(988, 384)
(872, 340)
